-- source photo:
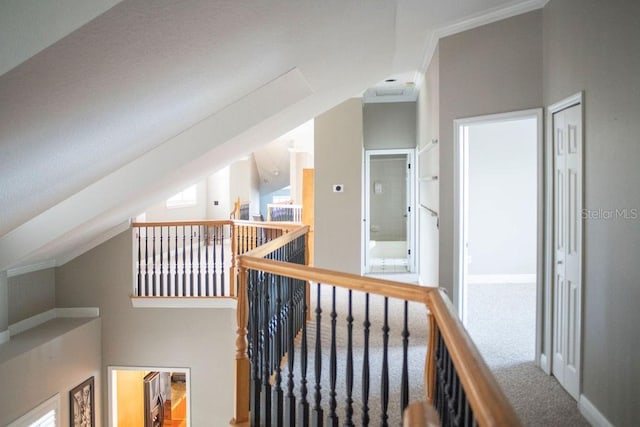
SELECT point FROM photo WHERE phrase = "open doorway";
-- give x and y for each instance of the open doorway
(389, 200)
(498, 215)
(149, 397)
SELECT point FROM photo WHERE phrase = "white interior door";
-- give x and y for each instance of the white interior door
(567, 283)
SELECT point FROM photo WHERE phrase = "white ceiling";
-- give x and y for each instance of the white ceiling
(99, 120)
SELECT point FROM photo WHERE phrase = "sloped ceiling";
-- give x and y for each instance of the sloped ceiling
(151, 95)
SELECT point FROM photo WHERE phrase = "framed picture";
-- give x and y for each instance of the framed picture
(81, 405)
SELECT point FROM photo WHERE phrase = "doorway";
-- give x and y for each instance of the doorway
(148, 396)
(498, 229)
(388, 221)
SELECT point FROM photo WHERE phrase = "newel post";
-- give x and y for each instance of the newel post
(242, 366)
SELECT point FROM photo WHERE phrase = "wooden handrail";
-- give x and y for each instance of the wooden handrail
(489, 404)
(181, 223)
(354, 282)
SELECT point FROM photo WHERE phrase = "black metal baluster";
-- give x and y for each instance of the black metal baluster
(385, 366)
(139, 287)
(215, 273)
(349, 408)
(265, 394)
(184, 261)
(332, 419)
(191, 261)
(277, 401)
(199, 270)
(222, 266)
(317, 413)
(153, 263)
(303, 409)
(365, 364)
(176, 285)
(161, 270)
(207, 236)
(146, 261)
(254, 333)
(404, 383)
(170, 291)
(290, 400)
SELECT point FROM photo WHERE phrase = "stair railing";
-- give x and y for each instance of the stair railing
(283, 377)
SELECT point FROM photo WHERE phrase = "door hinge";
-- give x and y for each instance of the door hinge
(408, 251)
(408, 165)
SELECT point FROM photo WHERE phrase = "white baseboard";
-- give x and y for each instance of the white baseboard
(544, 363)
(591, 413)
(54, 313)
(184, 302)
(500, 278)
(4, 336)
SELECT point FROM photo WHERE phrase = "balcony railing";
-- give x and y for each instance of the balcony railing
(284, 212)
(194, 258)
(330, 371)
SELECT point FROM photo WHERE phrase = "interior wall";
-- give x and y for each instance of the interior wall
(218, 191)
(427, 111)
(160, 211)
(389, 125)
(491, 69)
(502, 221)
(200, 339)
(338, 160)
(32, 374)
(244, 182)
(32, 293)
(592, 46)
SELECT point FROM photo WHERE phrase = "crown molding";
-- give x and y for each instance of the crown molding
(474, 21)
(17, 271)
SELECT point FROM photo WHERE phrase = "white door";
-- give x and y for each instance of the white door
(567, 292)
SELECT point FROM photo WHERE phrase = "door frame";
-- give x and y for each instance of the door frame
(411, 201)
(546, 357)
(459, 209)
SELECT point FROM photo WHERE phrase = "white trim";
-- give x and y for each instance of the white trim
(54, 313)
(53, 403)
(544, 363)
(32, 322)
(74, 312)
(17, 271)
(183, 302)
(4, 336)
(500, 278)
(474, 21)
(591, 413)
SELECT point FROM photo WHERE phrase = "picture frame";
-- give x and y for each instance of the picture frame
(82, 404)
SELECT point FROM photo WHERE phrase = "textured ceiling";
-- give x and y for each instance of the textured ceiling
(152, 94)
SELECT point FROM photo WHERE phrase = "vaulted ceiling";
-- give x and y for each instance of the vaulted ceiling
(109, 106)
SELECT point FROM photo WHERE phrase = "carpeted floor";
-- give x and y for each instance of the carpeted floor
(501, 321)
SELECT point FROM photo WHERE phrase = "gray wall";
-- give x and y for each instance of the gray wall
(338, 160)
(31, 294)
(52, 358)
(490, 69)
(594, 46)
(200, 339)
(389, 125)
(428, 165)
(503, 163)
